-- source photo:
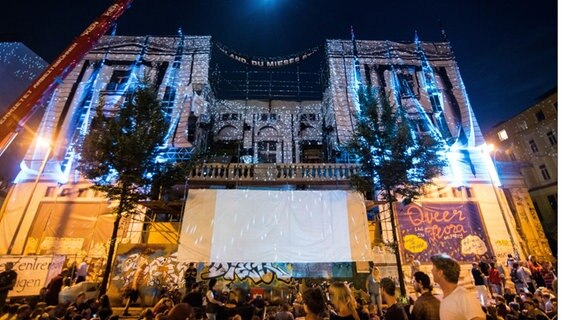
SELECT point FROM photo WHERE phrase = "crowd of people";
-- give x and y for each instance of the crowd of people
(515, 290)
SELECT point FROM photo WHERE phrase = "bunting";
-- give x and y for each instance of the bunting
(270, 62)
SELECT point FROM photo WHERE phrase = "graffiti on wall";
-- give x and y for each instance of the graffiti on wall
(258, 273)
(162, 270)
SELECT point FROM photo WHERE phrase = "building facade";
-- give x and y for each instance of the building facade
(272, 143)
(530, 140)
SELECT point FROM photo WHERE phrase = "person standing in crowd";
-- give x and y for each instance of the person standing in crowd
(457, 303)
(105, 310)
(548, 274)
(82, 271)
(510, 261)
(495, 279)
(54, 287)
(343, 301)
(502, 273)
(426, 307)
(314, 304)
(484, 267)
(373, 288)
(195, 299)
(298, 305)
(394, 310)
(284, 313)
(8, 279)
(525, 276)
(536, 271)
(134, 287)
(190, 277)
(479, 281)
(212, 303)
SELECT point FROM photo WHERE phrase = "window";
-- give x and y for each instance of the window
(539, 116)
(553, 201)
(502, 135)
(512, 156)
(469, 192)
(168, 100)
(118, 80)
(544, 172)
(83, 192)
(456, 192)
(267, 152)
(50, 192)
(522, 125)
(533, 146)
(551, 138)
(308, 117)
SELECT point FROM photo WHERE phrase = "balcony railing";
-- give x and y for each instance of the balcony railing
(273, 173)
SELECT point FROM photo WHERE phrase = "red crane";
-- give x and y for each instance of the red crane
(16, 116)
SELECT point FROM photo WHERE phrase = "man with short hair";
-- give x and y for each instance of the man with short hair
(82, 272)
(394, 310)
(457, 304)
(479, 280)
(426, 307)
(7, 282)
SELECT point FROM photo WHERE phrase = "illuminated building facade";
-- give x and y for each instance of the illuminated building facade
(290, 142)
(529, 140)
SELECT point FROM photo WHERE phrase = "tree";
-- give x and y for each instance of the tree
(118, 154)
(396, 160)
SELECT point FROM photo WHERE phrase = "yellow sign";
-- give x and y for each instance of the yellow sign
(414, 244)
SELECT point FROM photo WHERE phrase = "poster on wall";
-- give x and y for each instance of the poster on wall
(429, 228)
(34, 272)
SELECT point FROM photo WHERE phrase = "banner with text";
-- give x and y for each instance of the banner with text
(34, 272)
(452, 228)
(271, 62)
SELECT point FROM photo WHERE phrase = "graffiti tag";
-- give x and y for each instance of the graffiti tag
(258, 273)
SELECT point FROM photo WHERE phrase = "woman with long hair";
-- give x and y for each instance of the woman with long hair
(105, 310)
(343, 302)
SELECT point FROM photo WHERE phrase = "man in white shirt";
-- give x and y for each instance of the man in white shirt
(82, 272)
(458, 303)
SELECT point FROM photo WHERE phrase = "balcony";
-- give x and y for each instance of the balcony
(272, 174)
(302, 175)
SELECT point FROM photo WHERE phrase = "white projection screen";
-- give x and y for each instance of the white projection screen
(274, 226)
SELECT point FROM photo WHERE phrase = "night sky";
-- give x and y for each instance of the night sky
(506, 50)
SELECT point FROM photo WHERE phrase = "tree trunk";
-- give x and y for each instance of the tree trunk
(106, 274)
(396, 250)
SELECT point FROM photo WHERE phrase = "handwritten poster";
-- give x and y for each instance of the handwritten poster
(452, 228)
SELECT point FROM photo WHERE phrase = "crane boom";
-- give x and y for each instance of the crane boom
(17, 115)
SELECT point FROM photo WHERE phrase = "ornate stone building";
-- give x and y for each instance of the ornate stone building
(271, 139)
